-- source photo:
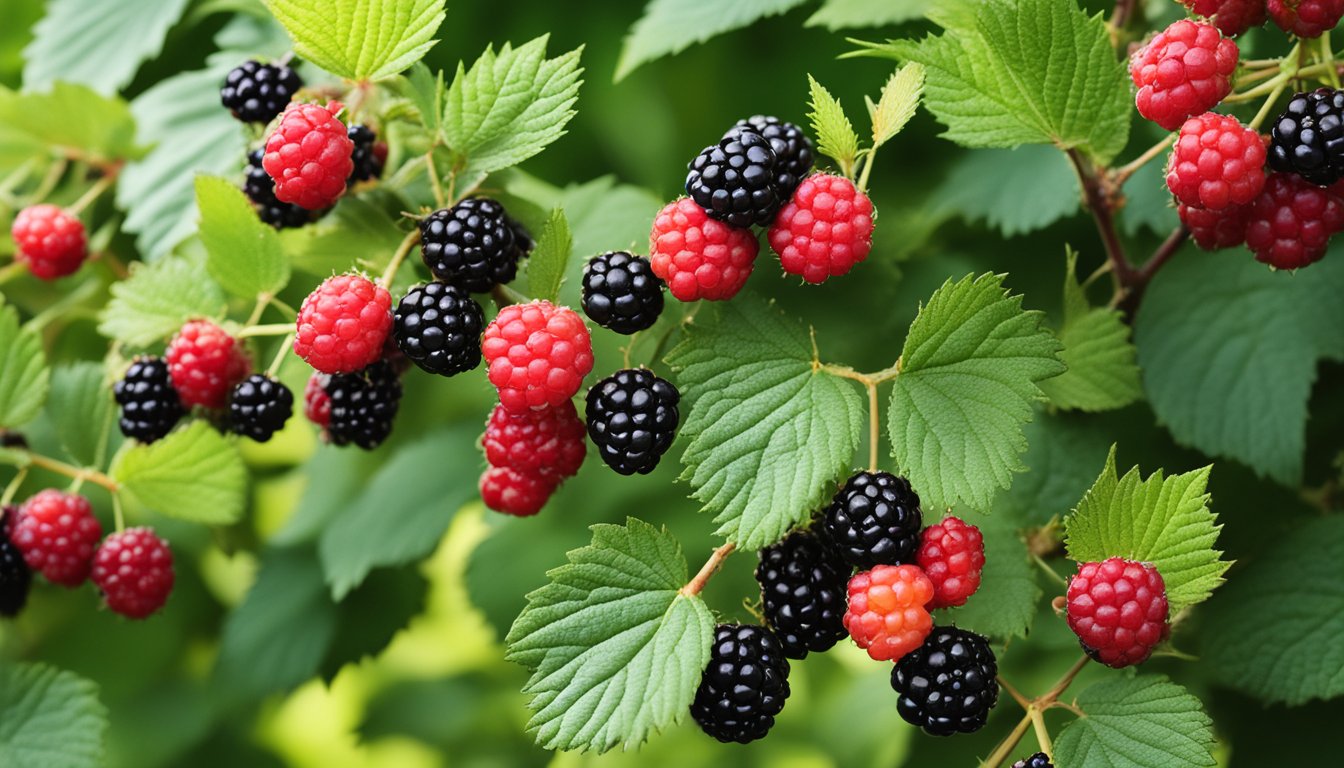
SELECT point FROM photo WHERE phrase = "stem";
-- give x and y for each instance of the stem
(273, 329)
(70, 470)
(12, 489)
(707, 570)
(262, 300)
(1009, 743)
(1019, 698)
(280, 356)
(50, 180)
(98, 188)
(866, 379)
(1053, 694)
(11, 271)
(404, 248)
(872, 427)
(1098, 202)
(867, 169)
(433, 173)
(283, 307)
(1051, 571)
(1123, 173)
(1328, 57)
(1265, 108)
(1124, 10)
(1128, 299)
(118, 517)
(505, 296)
(1042, 735)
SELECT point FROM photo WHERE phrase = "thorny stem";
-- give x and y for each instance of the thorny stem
(407, 243)
(707, 570)
(70, 470)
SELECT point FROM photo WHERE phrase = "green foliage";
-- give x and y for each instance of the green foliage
(361, 39)
(546, 266)
(1102, 374)
(157, 299)
(615, 649)
(192, 474)
(49, 718)
(897, 103)
(843, 14)
(1138, 722)
(85, 414)
(1063, 453)
(969, 373)
(244, 254)
(104, 131)
(24, 376)
(672, 26)
(1005, 604)
(1001, 205)
(426, 91)
(100, 45)
(835, 135)
(768, 429)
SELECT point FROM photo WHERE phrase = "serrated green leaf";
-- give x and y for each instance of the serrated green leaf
(1063, 451)
(49, 718)
(1229, 352)
(615, 650)
(154, 302)
(672, 26)
(1102, 374)
(768, 431)
(361, 39)
(986, 185)
(100, 45)
(1163, 521)
(24, 376)
(192, 474)
(245, 256)
(103, 130)
(85, 409)
(1005, 604)
(1140, 722)
(897, 104)
(548, 262)
(835, 135)
(511, 105)
(1274, 631)
(845, 14)
(970, 371)
(427, 92)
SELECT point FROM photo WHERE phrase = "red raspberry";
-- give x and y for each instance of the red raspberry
(538, 354)
(952, 554)
(825, 228)
(1183, 71)
(1217, 162)
(316, 401)
(1306, 18)
(1118, 610)
(57, 532)
(887, 614)
(515, 493)
(309, 156)
(1214, 230)
(1232, 17)
(343, 324)
(549, 442)
(1289, 225)
(134, 570)
(51, 242)
(205, 362)
(699, 257)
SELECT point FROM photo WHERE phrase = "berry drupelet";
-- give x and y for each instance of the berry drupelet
(473, 245)
(256, 92)
(948, 685)
(259, 407)
(744, 686)
(875, 520)
(734, 180)
(793, 150)
(621, 293)
(803, 587)
(363, 405)
(150, 407)
(1308, 138)
(438, 326)
(632, 419)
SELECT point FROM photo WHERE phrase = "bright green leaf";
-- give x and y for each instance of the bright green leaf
(72, 116)
(1102, 373)
(768, 430)
(616, 651)
(845, 14)
(970, 370)
(1140, 722)
(157, 299)
(835, 135)
(361, 39)
(897, 104)
(986, 185)
(245, 256)
(100, 45)
(192, 474)
(24, 376)
(85, 410)
(546, 266)
(49, 718)
(1005, 604)
(672, 26)
(427, 92)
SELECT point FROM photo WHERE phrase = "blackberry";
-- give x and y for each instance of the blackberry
(875, 520)
(259, 406)
(744, 686)
(1038, 760)
(150, 407)
(439, 327)
(256, 92)
(1308, 138)
(734, 180)
(366, 156)
(363, 405)
(947, 685)
(15, 576)
(473, 245)
(793, 150)
(803, 585)
(621, 293)
(260, 189)
(632, 418)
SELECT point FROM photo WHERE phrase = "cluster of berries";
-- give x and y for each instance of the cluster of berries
(56, 534)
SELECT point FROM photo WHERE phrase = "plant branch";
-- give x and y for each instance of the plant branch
(70, 470)
(1124, 10)
(707, 570)
(1128, 299)
(1123, 173)
(873, 430)
(98, 188)
(1000, 754)
(272, 329)
(1042, 734)
(1099, 202)
(407, 243)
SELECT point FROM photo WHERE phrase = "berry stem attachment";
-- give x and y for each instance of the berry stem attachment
(867, 169)
(707, 570)
(407, 243)
(1267, 107)
(262, 300)
(70, 470)
(99, 187)
(1099, 203)
(1054, 575)
(271, 329)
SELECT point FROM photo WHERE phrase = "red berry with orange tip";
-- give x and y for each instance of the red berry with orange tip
(887, 614)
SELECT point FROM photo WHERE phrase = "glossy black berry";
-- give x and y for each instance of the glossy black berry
(150, 407)
(260, 189)
(259, 406)
(1038, 760)
(621, 293)
(256, 92)
(875, 520)
(632, 418)
(473, 245)
(438, 327)
(734, 180)
(803, 586)
(367, 156)
(1308, 138)
(363, 405)
(744, 686)
(793, 150)
(15, 576)
(947, 685)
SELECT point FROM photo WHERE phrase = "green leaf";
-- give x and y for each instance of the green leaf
(192, 474)
(72, 117)
(616, 651)
(1138, 722)
(511, 105)
(85, 410)
(985, 185)
(49, 718)
(100, 45)
(672, 26)
(1274, 631)
(768, 430)
(844, 14)
(24, 376)
(1229, 352)
(427, 92)
(1102, 373)
(1163, 521)
(897, 104)
(1147, 202)
(546, 266)
(969, 373)
(1063, 451)
(359, 230)
(157, 299)
(1024, 72)
(835, 135)
(1005, 604)
(245, 256)
(361, 39)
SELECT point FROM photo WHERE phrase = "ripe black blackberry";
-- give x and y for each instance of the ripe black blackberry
(260, 189)
(473, 245)
(803, 586)
(1308, 138)
(1038, 760)
(793, 150)
(632, 418)
(744, 686)
(621, 293)
(150, 407)
(363, 405)
(366, 156)
(734, 180)
(256, 92)
(259, 406)
(15, 576)
(438, 327)
(875, 520)
(947, 685)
